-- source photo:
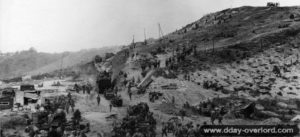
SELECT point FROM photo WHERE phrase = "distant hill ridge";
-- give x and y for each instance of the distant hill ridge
(31, 62)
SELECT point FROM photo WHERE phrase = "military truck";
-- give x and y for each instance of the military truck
(8, 92)
(109, 94)
(104, 82)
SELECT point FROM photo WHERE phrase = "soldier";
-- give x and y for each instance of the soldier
(77, 117)
(1, 133)
(66, 134)
(37, 107)
(158, 64)
(83, 88)
(191, 131)
(130, 94)
(69, 96)
(182, 114)
(276, 70)
(67, 106)
(173, 100)
(198, 129)
(214, 115)
(88, 89)
(99, 135)
(184, 130)
(130, 85)
(127, 133)
(138, 133)
(59, 132)
(110, 107)
(98, 99)
(52, 133)
(72, 104)
(178, 132)
(76, 87)
(164, 130)
(220, 118)
(31, 133)
(82, 135)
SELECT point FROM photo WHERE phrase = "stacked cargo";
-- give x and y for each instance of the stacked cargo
(139, 120)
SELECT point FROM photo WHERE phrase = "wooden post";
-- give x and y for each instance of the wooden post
(173, 52)
(213, 46)
(261, 45)
(145, 36)
(213, 49)
(158, 31)
(284, 58)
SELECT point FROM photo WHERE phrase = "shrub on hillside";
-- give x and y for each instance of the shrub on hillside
(163, 73)
(98, 59)
(109, 55)
(292, 32)
(292, 16)
(13, 122)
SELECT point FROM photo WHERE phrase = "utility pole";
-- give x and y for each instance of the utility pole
(231, 4)
(145, 36)
(61, 64)
(160, 32)
(173, 52)
(133, 39)
(133, 46)
(213, 41)
(261, 45)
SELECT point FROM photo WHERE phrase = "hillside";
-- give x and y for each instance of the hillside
(234, 26)
(239, 56)
(245, 30)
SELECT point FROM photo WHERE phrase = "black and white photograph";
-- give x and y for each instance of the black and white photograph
(149, 68)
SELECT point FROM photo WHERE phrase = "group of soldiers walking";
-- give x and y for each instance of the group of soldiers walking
(62, 102)
(86, 88)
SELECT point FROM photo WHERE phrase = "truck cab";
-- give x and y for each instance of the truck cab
(27, 87)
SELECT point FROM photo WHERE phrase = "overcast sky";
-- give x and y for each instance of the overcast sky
(71, 25)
